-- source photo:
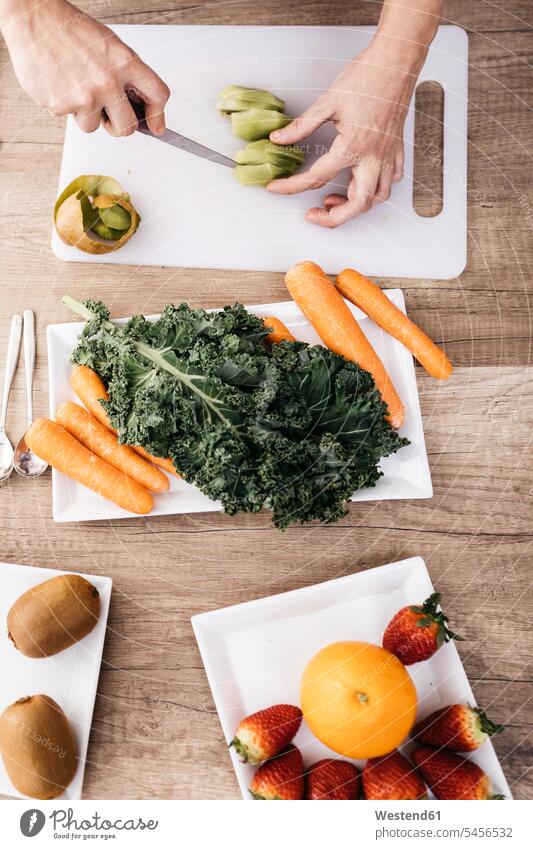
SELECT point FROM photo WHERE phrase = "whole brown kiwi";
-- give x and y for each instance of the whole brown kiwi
(38, 747)
(53, 615)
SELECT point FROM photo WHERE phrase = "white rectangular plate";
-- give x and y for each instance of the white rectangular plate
(70, 677)
(405, 474)
(254, 653)
(195, 213)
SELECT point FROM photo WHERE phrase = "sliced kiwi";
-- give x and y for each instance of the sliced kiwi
(115, 217)
(258, 175)
(263, 150)
(256, 124)
(236, 98)
(106, 232)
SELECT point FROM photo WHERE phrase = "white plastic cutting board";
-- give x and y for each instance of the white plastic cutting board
(195, 214)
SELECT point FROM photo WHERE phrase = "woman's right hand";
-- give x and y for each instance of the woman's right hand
(70, 63)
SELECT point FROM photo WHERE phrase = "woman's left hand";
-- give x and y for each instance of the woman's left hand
(368, 104)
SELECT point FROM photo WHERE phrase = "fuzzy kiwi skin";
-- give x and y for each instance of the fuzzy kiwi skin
(38, 747)
(53, 615)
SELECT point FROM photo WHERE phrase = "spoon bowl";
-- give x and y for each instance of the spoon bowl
(26, 463)
(6, 456)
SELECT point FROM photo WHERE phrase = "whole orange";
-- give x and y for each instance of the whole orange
(358, 699)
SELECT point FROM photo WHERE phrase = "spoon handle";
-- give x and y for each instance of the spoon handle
(13, 349)
(29, 359)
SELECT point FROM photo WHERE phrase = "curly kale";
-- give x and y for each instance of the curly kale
(294, 428)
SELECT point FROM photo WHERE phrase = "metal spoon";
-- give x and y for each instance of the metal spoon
(27, 463)
(13, 347)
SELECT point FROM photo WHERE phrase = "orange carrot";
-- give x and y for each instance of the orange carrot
(162, 462)
(90, 389)
(278, 332)
(98, 439)
(373, 301)
(63, 452)
(322, 304)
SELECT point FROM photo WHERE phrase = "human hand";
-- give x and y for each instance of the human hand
(70, 63)
(368, 104)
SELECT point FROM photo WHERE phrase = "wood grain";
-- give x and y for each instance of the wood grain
(156, 733)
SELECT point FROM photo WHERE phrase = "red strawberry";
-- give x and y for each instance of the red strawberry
(458, 727)
(416, 632)
(281, 777)
(392, 777)
(450, 776)
(332, 779)
(263, 734)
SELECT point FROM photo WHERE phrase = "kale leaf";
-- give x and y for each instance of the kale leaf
(294, 428)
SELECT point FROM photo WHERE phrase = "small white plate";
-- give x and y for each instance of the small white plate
(405, 474)
(69, 677)
(254, 653)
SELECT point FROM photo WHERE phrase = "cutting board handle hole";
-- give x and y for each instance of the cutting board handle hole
(429, 149)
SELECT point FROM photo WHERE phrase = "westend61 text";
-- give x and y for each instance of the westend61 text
(408, 815)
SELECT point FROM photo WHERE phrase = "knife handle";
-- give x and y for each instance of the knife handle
(136, 104)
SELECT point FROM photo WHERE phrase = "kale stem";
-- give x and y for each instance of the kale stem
(149, 353)
(77, 307)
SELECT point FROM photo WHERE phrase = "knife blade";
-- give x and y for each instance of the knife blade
(179, 141)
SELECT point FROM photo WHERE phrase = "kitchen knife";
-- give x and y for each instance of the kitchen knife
(179, 141)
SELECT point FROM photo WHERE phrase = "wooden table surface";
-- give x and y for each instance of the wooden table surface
(156, 733)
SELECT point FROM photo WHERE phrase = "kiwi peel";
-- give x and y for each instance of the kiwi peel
(95, 215)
